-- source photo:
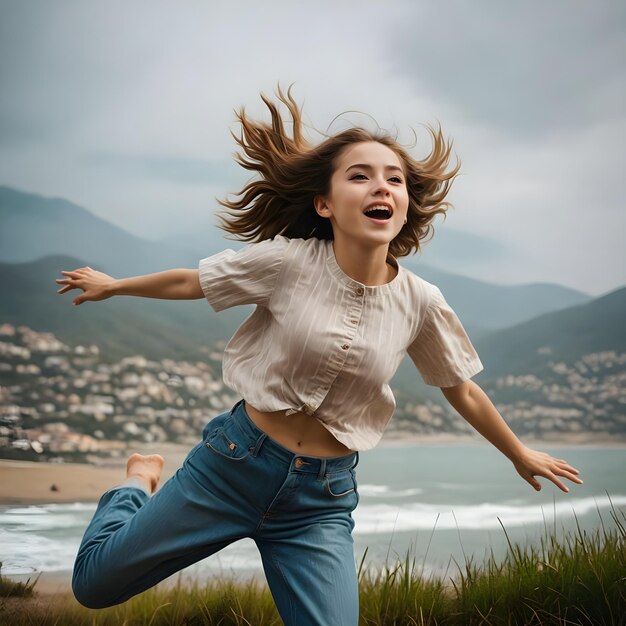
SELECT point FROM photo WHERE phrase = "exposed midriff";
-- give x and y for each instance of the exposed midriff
(300, 433)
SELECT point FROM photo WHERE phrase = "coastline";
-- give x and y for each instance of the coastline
(559, 440)
(29, 482)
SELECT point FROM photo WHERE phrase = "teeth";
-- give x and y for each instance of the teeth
(378, 207)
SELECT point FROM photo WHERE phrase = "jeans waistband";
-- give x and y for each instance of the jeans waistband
(300, 462)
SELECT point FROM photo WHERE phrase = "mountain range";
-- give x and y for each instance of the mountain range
(514, 328)
(33, 227)
(566, 335)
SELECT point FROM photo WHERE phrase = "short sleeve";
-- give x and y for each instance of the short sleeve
(247, 276)
(442, 351)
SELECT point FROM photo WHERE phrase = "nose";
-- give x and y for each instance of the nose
(381, 187)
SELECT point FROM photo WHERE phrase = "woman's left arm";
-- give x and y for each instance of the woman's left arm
(477, 409)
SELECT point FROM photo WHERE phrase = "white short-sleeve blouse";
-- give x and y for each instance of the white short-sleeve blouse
(324, 344)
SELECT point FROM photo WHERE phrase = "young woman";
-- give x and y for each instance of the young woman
(335, 314)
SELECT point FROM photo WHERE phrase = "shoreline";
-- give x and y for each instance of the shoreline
(569, 440)
(31, 482)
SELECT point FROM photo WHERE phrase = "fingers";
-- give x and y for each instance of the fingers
(81, 271)
(546, 466)
(536, 485)
(565, 464)
(71, 281)
(563, 468)
(74, 274)
(569, 475)
(557, 482)
(552, 476)
(78, 271)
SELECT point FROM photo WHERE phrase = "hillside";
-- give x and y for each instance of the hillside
(120, 326)
(565, 335)
(494, 307)
(33, 227)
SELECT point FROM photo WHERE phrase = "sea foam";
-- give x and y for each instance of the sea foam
(387, 518)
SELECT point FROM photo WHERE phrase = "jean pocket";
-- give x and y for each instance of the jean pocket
(340, 484)
(228, 441)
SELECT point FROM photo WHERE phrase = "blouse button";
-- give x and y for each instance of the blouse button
(345, 346)
(359, 291)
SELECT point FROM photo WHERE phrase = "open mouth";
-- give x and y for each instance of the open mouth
(379, 212)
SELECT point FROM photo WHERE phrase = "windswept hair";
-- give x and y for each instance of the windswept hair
(291, 172)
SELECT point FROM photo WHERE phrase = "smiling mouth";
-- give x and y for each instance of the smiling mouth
(378, 213)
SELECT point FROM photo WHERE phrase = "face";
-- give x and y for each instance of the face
(368, 198)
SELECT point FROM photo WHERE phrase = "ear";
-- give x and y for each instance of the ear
(321, 207)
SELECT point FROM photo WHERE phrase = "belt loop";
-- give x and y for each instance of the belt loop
(257, 446)
(356, 459)
(322, 471)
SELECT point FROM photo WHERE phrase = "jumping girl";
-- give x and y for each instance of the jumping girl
(335, 314)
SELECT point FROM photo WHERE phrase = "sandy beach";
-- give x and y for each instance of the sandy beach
(26, 482)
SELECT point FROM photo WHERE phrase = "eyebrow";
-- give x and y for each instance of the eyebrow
(365, 166)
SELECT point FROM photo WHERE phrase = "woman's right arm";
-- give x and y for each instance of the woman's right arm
(177, 284)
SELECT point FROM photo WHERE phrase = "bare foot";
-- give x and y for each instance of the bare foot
(146, 469)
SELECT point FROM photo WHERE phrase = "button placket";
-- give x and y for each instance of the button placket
(337, 359)
(353, 317)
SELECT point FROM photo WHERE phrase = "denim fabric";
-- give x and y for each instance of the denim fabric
(236, 483)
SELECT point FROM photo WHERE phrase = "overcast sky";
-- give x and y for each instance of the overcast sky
(125, 108)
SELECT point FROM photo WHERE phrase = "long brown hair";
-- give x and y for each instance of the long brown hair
(291, 172)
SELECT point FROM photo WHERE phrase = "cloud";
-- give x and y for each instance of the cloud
(213, 172)
(126, 109)
(525, 68)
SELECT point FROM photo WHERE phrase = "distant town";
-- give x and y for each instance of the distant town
(64, 403)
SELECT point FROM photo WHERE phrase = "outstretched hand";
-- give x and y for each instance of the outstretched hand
(532, 463)
(95, 285)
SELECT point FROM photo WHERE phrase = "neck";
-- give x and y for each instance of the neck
(367, 265)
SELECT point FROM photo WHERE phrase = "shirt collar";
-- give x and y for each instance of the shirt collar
(369, 290)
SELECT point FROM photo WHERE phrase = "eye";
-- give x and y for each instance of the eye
(396, 179)
(358, 176)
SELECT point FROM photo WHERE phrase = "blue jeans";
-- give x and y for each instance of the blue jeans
(236, 483)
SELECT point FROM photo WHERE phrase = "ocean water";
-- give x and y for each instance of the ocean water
(443, 504)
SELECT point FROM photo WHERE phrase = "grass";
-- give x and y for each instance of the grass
(578, 579)
(11, 589)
